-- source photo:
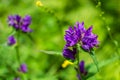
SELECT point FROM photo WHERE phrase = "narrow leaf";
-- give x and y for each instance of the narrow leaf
(91, 68)
(51, 52)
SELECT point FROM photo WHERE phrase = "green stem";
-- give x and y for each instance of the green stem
(92, 54)
(79, 73)
(17, 54)
(17, 49)
(109, 33)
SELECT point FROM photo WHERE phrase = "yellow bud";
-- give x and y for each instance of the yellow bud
(66, 63)
(38, 3)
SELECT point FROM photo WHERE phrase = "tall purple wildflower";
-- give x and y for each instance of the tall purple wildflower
(20, 23)
(79, 35)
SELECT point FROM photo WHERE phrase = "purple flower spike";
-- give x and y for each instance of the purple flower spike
(17, 78)
(11, 40)
(79, 35)
(70, 54)
(20, 23)
(23, 68)
(82, 68)
(81, 64)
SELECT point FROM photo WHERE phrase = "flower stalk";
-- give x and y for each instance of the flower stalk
(78, 50)
(92, 54)
(17, 49)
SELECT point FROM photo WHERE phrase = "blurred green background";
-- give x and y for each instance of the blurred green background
(49, 23)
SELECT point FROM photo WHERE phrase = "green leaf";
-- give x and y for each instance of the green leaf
(91, 68)
(51, 52)
(111, 60)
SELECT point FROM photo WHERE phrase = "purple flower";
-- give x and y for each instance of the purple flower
(89, 40)
(14, 21)
(82, 70)
(74, 35)
(78, 34)
(11, 40)
(17, 78)
(70, 54)
(26, 21)
(23, 68)
(20, 23)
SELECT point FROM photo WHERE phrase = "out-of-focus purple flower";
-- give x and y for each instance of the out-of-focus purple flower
(17, 78)
(14, 21)
(26, 29)
(70, 54)
(18, 22)
(78, 76)
(26, 21)
(89, 40)
(23, 68)
(11, 40)
(82, 70)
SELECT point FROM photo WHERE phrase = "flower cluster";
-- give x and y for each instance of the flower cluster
(20, 23)
(79, 35)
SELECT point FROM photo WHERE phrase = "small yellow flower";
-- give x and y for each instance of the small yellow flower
(39, 3)
(66, 63)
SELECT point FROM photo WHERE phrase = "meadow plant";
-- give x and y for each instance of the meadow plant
(19, 24)
(78, 38)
